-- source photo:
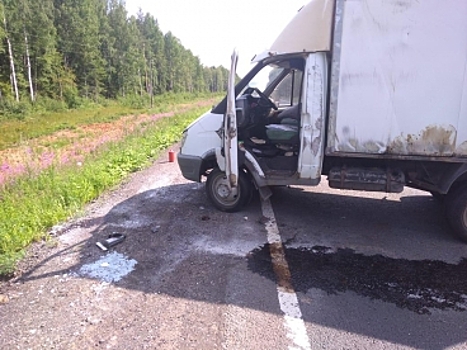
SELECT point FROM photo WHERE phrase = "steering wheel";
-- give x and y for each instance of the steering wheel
(265, 99)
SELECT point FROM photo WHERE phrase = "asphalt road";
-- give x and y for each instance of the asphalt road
(355, 271)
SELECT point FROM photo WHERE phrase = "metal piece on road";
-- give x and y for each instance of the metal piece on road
(101, 246)
(294, 324)
(114, 239)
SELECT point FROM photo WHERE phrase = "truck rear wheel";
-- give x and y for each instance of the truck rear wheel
(221, 196)
(456, 211)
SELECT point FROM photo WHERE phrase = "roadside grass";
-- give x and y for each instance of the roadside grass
(19, 128)
(32, 204)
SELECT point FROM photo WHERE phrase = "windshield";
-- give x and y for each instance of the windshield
(265, 77)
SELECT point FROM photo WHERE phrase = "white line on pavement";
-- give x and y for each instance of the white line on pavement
(288, 300)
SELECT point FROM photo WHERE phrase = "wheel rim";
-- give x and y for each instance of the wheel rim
(222, 192)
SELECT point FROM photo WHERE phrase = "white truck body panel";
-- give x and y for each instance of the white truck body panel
(399, 81)
(206, 137)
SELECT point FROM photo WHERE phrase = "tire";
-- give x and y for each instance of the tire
(220, 196)
(456, 211)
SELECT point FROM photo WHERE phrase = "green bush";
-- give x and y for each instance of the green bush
(10, 109)
(45, 104)
(135, 101)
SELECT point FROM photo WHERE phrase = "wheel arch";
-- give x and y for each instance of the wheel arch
(455, 179)
(209, 162)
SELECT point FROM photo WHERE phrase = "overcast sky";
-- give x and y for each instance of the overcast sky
(211, 29)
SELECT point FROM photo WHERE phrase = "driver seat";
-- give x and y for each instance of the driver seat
(282, 133)
(287, 130)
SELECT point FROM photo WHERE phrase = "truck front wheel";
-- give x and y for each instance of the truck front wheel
(456, 211)
(222, 197)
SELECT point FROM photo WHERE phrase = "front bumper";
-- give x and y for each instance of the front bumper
(190, 166)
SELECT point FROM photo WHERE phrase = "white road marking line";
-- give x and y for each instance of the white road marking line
(288, 301)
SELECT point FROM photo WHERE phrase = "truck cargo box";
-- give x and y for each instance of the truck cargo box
(399, 81)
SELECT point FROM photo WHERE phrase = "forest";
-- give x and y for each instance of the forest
(70, 51)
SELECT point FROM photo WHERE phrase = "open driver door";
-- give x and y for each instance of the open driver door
(230, 137)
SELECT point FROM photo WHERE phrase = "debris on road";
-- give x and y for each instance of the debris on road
(101, 246)
(111, 268)
(113, 239)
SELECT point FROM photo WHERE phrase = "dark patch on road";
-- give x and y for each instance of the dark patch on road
(417, 285)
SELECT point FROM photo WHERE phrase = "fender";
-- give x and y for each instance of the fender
(451, 177)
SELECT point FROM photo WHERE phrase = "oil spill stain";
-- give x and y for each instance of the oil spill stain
(416, 285)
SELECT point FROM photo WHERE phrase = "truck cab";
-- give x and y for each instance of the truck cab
(275, 114)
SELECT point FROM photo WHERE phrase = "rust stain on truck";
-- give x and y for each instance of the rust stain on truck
(434, 140)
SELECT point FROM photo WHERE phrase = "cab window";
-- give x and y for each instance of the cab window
(287, 92)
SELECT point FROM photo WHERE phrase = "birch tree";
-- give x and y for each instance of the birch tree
(14, 82)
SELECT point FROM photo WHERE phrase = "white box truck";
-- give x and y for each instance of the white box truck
(371, 93)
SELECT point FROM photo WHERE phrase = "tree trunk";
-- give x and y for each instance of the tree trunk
(60, 87)
(145, 69)
(97, 90)
(146, 78)
(150, 83)
(14, 83)
(28, 64)
(140, 83)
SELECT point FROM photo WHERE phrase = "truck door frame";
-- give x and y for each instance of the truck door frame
(313, 118)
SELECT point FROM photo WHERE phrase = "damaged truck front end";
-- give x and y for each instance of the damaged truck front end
(337, 96)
